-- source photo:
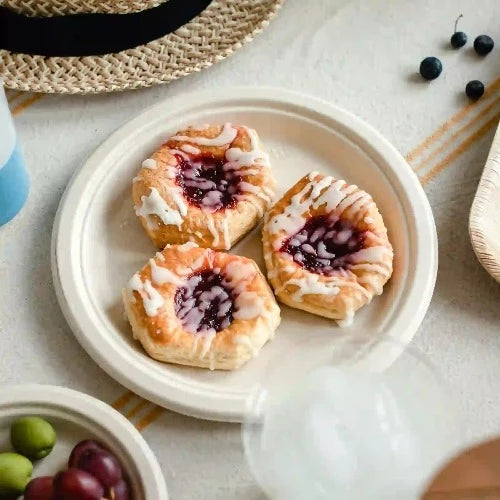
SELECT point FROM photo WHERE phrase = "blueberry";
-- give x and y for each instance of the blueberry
(483, 44)
(474, 89)
(458, 39)
(431, 68)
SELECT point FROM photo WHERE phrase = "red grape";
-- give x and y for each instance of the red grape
(75, 484)
(40, 488)
(82, 447)
(120, 491)
(102, 465)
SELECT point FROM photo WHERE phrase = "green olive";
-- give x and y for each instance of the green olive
(33, 437)
(15, 473)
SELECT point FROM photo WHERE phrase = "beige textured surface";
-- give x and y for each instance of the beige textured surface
(219, 30)
(485, 213)
(363, 57)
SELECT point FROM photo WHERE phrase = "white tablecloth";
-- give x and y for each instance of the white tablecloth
(362, 56)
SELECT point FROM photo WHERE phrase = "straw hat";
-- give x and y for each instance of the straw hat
(172, 39)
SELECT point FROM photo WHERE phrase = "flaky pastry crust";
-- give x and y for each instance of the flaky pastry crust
(168, 216)
(149, 301)
(339, 293)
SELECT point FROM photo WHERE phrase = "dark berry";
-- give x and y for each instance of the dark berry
(458, 39)
(474, 89)
(483, 45)
(431, 68)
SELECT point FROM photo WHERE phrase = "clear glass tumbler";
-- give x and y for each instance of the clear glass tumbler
(362, 418)
(14, 181)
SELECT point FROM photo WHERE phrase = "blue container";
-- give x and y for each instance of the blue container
(14, 181)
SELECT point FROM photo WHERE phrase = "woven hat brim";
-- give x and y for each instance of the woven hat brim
(213, 35)
(65, 7)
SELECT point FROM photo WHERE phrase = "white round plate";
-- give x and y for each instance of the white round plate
(98, 244)
(76, 416)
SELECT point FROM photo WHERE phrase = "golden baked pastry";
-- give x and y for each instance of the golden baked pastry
(210, 185)
(326, 248)
(194, 306)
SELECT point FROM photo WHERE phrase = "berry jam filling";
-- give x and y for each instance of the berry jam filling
(204, 304)
(208, 183)
(324, 244)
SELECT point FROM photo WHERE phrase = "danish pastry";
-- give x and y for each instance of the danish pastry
(326, 248)
(209, 185)
(194, 306)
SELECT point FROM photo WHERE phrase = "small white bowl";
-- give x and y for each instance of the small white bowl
(76, 416)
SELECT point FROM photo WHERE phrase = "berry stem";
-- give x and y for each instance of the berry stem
(456, 21)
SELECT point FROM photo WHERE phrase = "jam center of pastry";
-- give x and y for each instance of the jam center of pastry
(324, 244)
(204, 304)
(208, 183)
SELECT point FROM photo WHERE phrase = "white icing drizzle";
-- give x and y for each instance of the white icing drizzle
(151, 299)
(187, 246)
(207, 339)
(368, 220)
(180, 153)
(273, 273)
(370, 255)
(211, 358)
(188, 148)
(154, 204)
(213, 230)
(335, 195)
(238, 274)
(240, 158)
(194, 346)
(360, 207)
(331, 197)
(269, 191)
(170, 172)
(257, 190)
(183, 271)
(247, 172)
(198, 263)
(322, 251)
(246, 341)
(191, 317)
(134, 283)
(237, 163)
(292, 219)
(149, 163)
(351, 199)
(347, 321)
(248, 305)
(161, 275)
(310, 284)
(227, 135)
(225, 232)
